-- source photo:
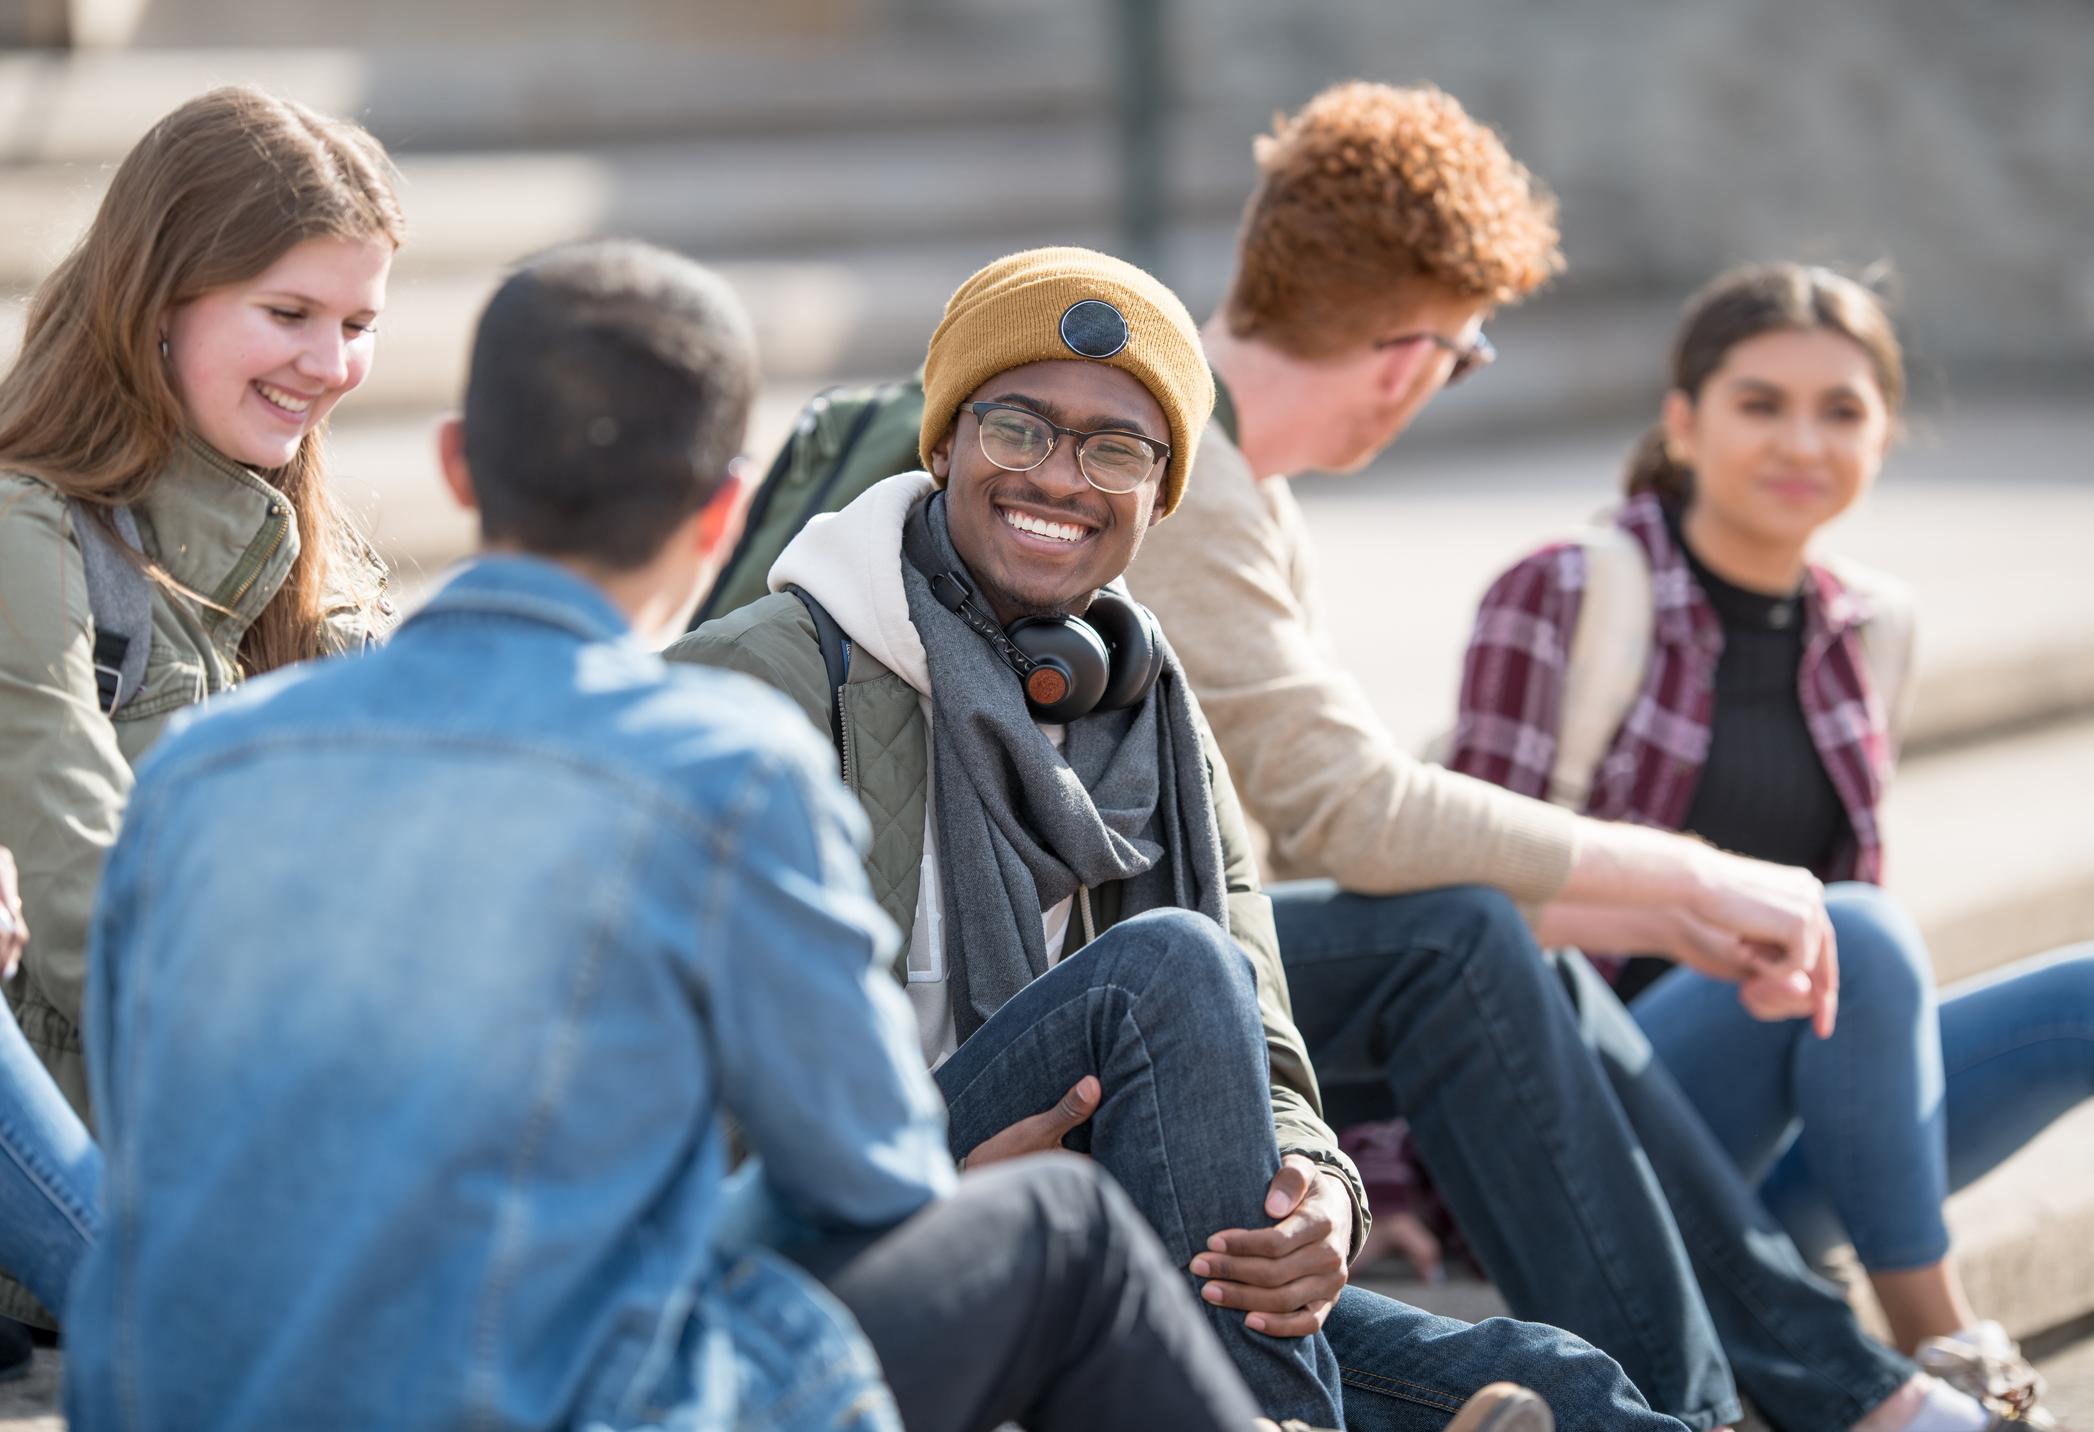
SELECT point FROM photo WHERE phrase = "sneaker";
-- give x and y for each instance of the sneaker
(1503, 1407)
(1985, 1363)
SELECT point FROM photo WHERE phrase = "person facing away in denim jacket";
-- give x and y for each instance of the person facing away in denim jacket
(422, 981)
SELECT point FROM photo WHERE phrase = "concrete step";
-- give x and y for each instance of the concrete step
(522, 88)
(722, 196)
(1991, 846)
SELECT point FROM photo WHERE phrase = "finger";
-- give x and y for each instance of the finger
(1289, 1234)
(1825, 977)
(1319, 1260)
(1289, 1297)
(1075, 1106)
(1289, 1187)
(1289, 1325)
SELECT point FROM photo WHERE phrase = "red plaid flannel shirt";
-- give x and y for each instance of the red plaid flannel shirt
(1512, 688)
(1511, 699)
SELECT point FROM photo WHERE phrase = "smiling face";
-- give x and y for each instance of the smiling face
(1046, 540)
(1784, 436)
(258, 365)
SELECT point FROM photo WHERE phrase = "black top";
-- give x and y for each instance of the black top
(1763, 790)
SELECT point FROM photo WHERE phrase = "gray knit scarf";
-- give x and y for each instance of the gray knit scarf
(1020, 825)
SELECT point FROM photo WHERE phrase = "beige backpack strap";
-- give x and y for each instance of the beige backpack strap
(1886, 636)
(1609, 653)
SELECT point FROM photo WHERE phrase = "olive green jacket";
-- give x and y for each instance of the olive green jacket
(65, 766)
(886, 762)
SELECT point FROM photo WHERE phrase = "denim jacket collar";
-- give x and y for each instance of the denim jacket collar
(527, 589)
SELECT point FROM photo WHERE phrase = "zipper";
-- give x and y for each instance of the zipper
(843, 741)
(279, 525)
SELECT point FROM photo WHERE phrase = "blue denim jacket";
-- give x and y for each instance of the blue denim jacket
(420, 983)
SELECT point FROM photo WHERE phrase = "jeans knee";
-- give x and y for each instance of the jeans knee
(1187, 956)
(1476, 932)
(1884, 966)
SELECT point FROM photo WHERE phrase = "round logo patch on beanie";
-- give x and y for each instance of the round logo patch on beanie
(1093, 328)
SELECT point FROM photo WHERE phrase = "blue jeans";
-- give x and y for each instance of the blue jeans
(1162, 1008)
(1590, 1188)
(50, 1174)
(1861, 1136)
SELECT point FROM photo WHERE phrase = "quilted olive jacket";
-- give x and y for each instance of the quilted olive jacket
(886, 756)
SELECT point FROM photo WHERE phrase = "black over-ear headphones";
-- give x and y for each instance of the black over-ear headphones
(1105, 659)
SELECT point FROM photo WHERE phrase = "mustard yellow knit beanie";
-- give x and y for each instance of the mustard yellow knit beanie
(1071, 304)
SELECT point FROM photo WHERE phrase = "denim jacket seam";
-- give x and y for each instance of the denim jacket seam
(510, 1244)
(721, 838)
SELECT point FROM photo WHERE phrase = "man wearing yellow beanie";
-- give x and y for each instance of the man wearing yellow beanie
(1083, 938)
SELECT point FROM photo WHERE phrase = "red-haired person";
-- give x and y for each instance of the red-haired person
(1387, 226)
(1763, 722)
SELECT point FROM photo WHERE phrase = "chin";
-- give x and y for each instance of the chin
(265, 455)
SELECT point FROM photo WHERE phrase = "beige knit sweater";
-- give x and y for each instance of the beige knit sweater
(1230, 575)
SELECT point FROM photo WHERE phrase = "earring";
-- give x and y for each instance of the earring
(163, 345)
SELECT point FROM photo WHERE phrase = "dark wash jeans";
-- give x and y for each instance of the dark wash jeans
(1595, 1196)
(1163, 1009)
(1034, 1294)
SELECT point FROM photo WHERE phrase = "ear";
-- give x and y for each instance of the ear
(941, 456)
(1679, 428)
(719, 522)
(450, 460)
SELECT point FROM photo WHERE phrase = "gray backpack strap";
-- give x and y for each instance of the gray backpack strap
(120, 600)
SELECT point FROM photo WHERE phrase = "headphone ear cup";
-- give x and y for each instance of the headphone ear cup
(1135, 640)
(1074, 666)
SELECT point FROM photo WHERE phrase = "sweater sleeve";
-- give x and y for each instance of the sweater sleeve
(1314, 762)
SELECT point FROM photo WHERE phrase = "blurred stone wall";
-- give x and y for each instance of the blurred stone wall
(1954, 141)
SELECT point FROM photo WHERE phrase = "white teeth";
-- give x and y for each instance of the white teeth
(288, 402)
(1059, 531)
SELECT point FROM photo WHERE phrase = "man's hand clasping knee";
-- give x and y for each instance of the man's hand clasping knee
(1285, 1278)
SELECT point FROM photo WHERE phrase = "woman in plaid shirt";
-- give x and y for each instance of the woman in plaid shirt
(1758, 726)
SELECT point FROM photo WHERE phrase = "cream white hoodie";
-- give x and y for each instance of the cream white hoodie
(850, 561)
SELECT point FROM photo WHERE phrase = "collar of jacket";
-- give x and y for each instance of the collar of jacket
(219, 530)
(527, 589)
(1682, 615)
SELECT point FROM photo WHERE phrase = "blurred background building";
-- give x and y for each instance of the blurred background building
(847, 162)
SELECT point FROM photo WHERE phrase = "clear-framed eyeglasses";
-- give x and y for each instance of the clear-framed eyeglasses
(1468, 357)
(1112, 460)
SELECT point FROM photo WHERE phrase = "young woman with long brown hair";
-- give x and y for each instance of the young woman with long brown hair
(1762, 719)
(166, 526)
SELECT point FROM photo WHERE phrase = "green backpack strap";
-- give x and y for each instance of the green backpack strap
(845, 440)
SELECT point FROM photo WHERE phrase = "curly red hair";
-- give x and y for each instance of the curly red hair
(1367, 190)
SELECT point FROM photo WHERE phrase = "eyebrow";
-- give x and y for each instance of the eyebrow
(1093, 423)
(306, 299)
(1761, 385)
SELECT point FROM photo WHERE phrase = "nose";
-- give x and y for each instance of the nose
(325, 359)
(1802, 437)
(1061, 474)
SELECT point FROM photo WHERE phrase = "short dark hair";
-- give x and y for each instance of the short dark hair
(609, 392)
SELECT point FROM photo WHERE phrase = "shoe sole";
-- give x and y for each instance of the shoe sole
(1514, 1410)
